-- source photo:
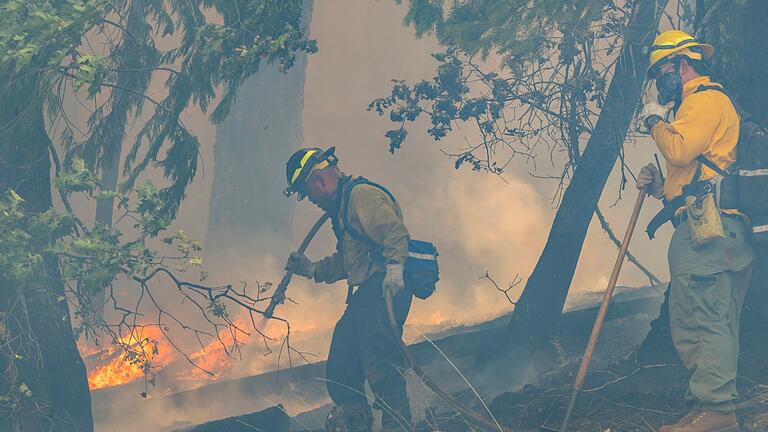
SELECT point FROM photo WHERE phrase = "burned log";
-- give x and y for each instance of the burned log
(273, 419)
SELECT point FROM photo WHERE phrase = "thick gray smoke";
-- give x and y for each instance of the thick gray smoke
(480, 222)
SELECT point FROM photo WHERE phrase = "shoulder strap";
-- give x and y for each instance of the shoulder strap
(702, 88)
(711, 165)
(743, 115)
(345, 203)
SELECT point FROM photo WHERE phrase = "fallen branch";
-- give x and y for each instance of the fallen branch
(622, 378)
(515, 282)
(607, 228)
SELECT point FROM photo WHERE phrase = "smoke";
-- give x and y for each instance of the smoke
(479, 222)
(462, 218)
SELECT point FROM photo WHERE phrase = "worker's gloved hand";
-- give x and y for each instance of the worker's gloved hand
(650, 180)
(651, 113)
(299, 264)
(393, 280)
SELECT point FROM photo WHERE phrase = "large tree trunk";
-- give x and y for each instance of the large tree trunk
(38, 349)
(248, 211)
(540, 307)
(104, 215)
(135, 63)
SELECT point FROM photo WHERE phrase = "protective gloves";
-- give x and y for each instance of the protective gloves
(301, 265)
(651, 113)
(393, 280)
(649, 179)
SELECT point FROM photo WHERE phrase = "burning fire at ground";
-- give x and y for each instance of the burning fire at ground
(216, 358)
(142, 354)
(131, 358)
(220, 355)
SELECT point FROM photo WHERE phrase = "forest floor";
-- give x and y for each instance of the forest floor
(620, 394)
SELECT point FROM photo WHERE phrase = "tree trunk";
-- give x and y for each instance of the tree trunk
(540, 307)
(41, 353)
(104, 214)
(135, 63)
(248, 211)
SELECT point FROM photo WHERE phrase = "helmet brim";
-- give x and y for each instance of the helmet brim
(707, 49)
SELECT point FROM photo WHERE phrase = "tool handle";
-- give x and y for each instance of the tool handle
(658, 165)
(278, 297)
(598, 326)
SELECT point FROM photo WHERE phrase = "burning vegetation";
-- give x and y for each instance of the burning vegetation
(138, 355)
(146, 351)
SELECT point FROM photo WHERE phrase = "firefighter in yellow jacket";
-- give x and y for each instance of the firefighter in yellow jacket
(371, 249)
(708, 282)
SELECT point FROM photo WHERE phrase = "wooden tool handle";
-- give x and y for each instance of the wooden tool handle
(279, 296)
(598, 326)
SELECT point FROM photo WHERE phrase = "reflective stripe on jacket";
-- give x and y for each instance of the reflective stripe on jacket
(707, 124)
(374, 214)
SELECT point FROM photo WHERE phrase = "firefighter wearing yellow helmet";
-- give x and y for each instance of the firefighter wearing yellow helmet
(708, 279)
(371, 250)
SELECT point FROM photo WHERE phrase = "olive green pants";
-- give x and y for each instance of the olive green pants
(708, 286)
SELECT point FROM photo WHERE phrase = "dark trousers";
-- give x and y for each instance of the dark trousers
(365, 348)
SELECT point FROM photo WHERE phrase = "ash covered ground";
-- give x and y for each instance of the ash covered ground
(620, 393)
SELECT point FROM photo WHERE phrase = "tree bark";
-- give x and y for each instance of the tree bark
(135, 63)
(248, 211)
(37, 321)
(539, 309)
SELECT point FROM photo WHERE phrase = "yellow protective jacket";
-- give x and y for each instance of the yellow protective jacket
(374, 214)
(706, 123)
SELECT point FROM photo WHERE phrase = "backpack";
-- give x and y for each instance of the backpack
(421, 269)
(745, 184)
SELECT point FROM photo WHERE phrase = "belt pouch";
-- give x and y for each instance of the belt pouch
(703, 218)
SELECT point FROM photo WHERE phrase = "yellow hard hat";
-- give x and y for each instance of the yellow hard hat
(672, 43)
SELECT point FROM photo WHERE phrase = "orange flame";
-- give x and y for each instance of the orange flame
(217, 359)
(217, 356)
(147, 352)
